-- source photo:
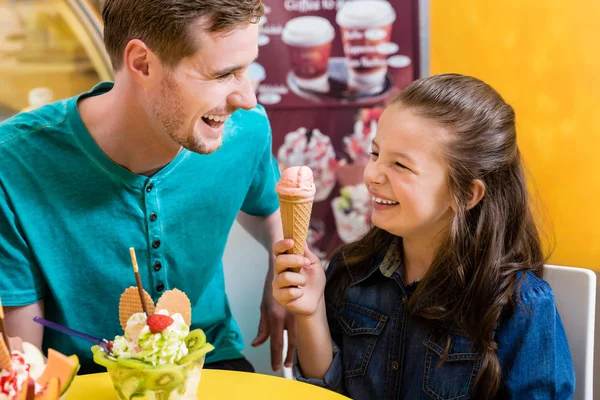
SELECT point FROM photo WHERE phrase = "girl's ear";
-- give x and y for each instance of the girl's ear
(477, 193)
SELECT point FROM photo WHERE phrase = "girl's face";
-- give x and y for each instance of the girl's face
(407, 176)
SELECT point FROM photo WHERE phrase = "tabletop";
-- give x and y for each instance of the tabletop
(215, 384)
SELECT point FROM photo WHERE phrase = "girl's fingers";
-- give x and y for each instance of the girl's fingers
(289, 261)
(282, 246)
(287, 279)
(290, 294)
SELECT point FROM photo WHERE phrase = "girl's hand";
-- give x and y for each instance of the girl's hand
(300, 292)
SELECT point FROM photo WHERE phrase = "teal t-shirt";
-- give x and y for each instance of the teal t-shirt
(68, 215)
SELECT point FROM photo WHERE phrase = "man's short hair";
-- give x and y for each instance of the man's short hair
(167, 26)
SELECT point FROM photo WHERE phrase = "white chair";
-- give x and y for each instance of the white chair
(575, 295)
(245, 263)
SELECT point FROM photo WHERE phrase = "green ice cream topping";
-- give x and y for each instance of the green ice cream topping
(166, 347)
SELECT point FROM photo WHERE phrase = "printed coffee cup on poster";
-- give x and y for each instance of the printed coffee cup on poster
(257, 74)
(366, 27)
(309, 41)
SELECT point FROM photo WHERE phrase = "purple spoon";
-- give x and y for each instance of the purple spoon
(103, 343)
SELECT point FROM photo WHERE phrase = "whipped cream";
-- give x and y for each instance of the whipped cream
(11, 382)
(160, 348)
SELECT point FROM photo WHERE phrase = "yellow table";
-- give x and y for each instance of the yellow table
(215, 384)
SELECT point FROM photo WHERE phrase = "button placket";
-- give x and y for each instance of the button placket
(155, 239)
(396, 351)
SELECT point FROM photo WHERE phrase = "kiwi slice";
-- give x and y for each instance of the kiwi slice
(127, 378)
(120, 393)
(164, 377)
(133, 363)
(101, 358)
(196, 354)
(195, 340)
(127, 381)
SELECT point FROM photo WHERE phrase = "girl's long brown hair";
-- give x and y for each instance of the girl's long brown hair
(472, 280)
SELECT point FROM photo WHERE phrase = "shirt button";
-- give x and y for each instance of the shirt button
(157, 266)
(395, 366)
(156, 244)
(160, 287)
(149, 188)
(153, 217)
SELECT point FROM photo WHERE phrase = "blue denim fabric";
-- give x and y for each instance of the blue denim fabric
(381, 352)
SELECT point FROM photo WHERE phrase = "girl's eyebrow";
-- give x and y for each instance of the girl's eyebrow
(397, 153)
(404, 155)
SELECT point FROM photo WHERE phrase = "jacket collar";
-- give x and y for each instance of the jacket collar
(387, 262)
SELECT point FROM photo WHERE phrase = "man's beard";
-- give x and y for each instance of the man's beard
(168, 111)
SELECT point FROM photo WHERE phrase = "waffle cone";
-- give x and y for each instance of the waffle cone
(5, 356)
(295, 217)
(130, 304)
(175, 301)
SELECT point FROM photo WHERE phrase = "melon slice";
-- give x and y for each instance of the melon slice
(22, 394)
(51, 391)
(59, 366)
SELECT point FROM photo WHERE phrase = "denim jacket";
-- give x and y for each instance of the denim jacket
(381, 352)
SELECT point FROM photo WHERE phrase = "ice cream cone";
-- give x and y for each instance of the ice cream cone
(296, 192)
(295, 215)
(5, 356)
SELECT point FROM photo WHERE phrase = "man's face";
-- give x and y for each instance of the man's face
(191, 101)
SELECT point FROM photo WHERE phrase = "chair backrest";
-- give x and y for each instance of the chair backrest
(575, 295)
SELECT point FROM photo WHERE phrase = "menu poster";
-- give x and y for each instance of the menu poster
(326, 69)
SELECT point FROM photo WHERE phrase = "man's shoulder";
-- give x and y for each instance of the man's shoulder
(26, 124)
(257, 113)
(254, 122)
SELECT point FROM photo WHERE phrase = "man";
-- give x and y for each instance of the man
(135, 164)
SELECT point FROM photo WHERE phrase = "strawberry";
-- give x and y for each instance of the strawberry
(158, 322)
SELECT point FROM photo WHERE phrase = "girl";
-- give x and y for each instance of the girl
(444, 297)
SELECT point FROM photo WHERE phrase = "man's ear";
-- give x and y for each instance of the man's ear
(139, 60)
(477, 193)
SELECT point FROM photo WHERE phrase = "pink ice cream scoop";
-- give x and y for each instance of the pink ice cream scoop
(312, 148)
(296, 182)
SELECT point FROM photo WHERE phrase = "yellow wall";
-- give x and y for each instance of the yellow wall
(543, 56)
